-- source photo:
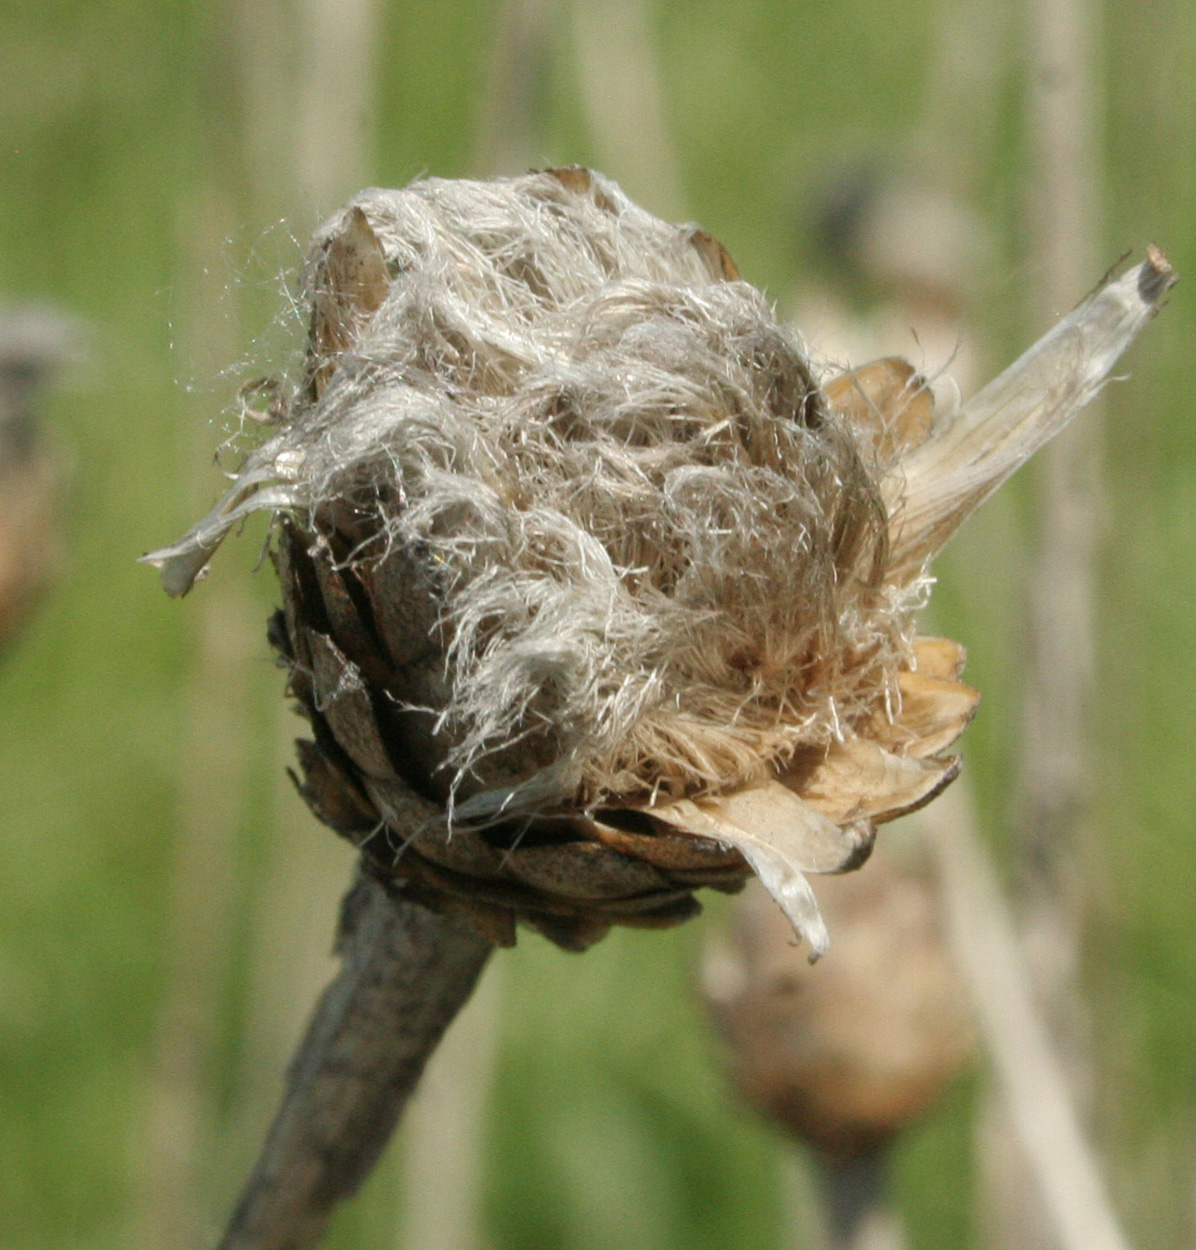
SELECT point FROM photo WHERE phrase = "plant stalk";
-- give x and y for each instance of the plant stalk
(405, 974)
(859, 1211)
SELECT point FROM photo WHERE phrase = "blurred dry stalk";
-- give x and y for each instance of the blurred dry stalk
(1055, 773)
(846, 1053)
(179, 1133)
(511, 132)
(623, 98)
(336, 85)
(1055, 768)
(34, 343)
(955, 139)
(1076, 1211)
(442, 1143)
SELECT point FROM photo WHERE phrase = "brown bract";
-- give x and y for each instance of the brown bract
(592, 594)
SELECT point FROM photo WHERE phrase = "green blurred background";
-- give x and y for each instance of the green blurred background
(165, 903)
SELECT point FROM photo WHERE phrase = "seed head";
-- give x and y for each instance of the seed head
(592, 593)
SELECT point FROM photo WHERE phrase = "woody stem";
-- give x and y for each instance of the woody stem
(406, 972)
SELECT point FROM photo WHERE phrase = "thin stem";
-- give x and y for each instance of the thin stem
(178, 1123)
(859, 1211)
(213, 792)
(511, 131)
(1038, 1095)
(624, 102)
(335, 97)
(1055, 773)
(406, 972)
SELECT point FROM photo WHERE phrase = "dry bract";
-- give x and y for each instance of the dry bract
(592, 595)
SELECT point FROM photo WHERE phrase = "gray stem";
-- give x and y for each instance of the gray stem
(406, 973)
(859, 1212)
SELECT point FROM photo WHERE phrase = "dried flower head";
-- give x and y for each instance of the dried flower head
(843, 1056)
(34, 343)
(592, 594)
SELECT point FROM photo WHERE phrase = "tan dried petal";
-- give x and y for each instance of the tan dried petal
(782, 838)
(933, 715)
(581, 181)
(686, 856)
(942, 658)
(718, 259)
(860, 780)
(889, 400)
(773, 815)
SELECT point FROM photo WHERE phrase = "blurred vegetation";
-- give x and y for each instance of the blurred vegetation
(142, 192)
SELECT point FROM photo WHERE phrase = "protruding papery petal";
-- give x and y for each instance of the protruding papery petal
(182, 563)
(782, 838)
(792, 893)
(941, 658)
(888, 399)
(940, 484)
